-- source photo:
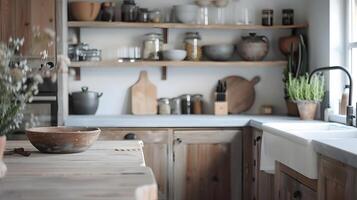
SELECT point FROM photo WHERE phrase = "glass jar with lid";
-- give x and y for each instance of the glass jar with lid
(267, 17)
(288, 17)
(164, 106)
(197, 104)
(129, 11)
(193, 46)
(153, 44)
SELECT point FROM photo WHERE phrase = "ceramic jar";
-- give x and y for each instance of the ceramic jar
(253, 47)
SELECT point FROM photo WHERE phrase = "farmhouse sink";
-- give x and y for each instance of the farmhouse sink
(290, 144)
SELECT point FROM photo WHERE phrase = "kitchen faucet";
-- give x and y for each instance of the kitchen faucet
(349, 113)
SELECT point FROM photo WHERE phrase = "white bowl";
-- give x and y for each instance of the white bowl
(174, 54)
(186, 13)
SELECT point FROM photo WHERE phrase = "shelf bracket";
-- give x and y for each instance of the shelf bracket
(77, 73)
(164, 73)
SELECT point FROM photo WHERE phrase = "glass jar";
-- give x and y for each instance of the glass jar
(107, 11)
(153, 44)
(176, 106)
(193, 46)
(186, 104)
(197, 100)
(164, 106)
(267, 17)
(155, 16)
(288, 17)
(143, 15)
(129, 11)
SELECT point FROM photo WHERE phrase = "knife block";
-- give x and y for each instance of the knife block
(221, 108)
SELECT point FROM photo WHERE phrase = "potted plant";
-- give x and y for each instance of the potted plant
(19, 82)
(307, 94)
(297, 65)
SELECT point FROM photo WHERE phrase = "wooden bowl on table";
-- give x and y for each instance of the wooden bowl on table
(62, 139)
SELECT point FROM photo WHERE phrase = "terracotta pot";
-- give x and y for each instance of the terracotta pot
(307, 109)
(3, 168)
(84, 11)
(292, 108)
(285, 44)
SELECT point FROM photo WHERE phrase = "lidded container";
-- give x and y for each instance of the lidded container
(164, 106)
(193, 46)
(176, 106)
(267, 17)
(288, 17)
(186, 104)
(197, 104)
(129, 11)
(153, 44)
(143, 15)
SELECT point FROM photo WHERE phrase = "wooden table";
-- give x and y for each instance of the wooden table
(108, 170)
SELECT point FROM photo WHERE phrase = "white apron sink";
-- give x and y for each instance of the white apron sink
(290, 144)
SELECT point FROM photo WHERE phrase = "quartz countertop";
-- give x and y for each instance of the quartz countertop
(342, 149)
(173, 121)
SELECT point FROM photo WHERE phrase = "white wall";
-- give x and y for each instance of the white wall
(115, 82)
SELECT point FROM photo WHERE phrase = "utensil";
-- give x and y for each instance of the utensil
(62, 139)
(143, 96)
(84, 11)
(219, 52)
(240, 93)
(84, 102)
(174, 54)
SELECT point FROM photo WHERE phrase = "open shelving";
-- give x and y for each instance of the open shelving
(114, 63)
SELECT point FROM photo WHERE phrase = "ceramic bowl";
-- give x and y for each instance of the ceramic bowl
(62, 139)
(219, 52)
(174, 54)
(84, 10)
(186, 13)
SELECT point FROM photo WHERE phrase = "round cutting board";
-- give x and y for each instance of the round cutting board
(240, 93)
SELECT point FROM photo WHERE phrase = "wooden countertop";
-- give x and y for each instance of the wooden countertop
(108, 170)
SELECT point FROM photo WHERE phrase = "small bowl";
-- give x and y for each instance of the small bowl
(84, 11)
(174, 54)
(186, 13)
(219, 52)
(62, 139)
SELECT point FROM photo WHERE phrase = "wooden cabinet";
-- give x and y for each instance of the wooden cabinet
(290, 185)
(19, 17)
(263, 183)
(207, 164)
(156, 151)
(337, 181)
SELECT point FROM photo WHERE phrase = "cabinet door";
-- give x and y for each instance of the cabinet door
(291, 189)
(207, 164)
(335, 180)
(263, 183)
(291, 185)
(19, 17)
(156, 149)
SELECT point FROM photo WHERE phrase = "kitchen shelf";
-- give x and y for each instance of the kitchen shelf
(99, 24)
(114, 63)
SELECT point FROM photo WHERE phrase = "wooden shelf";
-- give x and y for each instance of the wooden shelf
(99, 24)
(114, 63)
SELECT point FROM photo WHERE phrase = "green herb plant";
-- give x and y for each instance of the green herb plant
(299, 89)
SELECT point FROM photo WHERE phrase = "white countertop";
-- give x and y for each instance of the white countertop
(174, 121)
(343, 150)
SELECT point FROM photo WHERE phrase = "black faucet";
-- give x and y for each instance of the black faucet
(349, 113)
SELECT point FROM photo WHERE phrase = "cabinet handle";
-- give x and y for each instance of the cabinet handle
(297, 195)
(130, 136)
(258, 138)
(178, 141)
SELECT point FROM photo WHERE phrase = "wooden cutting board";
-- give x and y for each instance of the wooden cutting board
(143, 96)
(240, 93)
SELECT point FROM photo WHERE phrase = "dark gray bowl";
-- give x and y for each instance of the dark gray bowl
(218, 52)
